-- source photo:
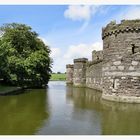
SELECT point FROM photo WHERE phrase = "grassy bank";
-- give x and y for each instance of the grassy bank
(58, 77)
(4, 90)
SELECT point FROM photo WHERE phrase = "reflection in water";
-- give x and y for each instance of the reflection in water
(120, 118)
(116, 118)
(66, 110)
(86, 108)
(84, 98)
(23, 114)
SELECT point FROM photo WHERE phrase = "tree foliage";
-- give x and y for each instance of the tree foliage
(24, 58)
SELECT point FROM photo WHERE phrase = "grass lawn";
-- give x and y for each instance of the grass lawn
(58, 77)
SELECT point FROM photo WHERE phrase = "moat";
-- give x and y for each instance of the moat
(65, 110)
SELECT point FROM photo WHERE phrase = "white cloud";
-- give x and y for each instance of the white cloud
(55, 53)
(80, 12)
(130, 13)
(77, 12)
(61, 58)
(82, 50)
(83, 27)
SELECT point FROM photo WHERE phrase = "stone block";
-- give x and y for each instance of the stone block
(121, 67)
(113, 67)
(134, 63)
(131, 68)
(117, 62)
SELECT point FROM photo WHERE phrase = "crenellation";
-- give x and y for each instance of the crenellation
(125, 26)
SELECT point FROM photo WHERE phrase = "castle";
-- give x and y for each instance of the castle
(116, 70)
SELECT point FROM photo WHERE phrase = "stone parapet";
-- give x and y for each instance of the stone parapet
(83, 60)
(90, 63)
(124, 26)
(69, 66)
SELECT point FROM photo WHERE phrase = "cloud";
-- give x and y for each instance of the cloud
(58, 61)
(55, 53)
(83, 13)
(82, 50)
(77, 12)
(130, 13)
(83, 27)
(80, 12)
(61, 58)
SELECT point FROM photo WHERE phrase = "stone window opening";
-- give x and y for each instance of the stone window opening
(113, 83)
(133, 48)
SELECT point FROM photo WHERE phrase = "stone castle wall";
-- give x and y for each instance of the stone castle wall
(116, 69)
(94, 71)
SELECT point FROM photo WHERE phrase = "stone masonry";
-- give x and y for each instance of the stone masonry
(69, 74)
(115, 70)
(94, 71)
(79, 75)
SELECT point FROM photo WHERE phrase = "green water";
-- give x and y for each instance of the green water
(64, 110)
(23, 114)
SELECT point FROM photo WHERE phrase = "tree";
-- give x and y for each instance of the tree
(24, 58)
(58, 72)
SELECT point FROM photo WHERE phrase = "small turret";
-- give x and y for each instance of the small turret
(79, 77)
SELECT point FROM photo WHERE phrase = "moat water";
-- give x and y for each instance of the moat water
(65, 110)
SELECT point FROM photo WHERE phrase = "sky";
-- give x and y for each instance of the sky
(71, 31)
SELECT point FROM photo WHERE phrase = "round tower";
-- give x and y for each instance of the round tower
(79, 76)
(121, 66)
(69, 74)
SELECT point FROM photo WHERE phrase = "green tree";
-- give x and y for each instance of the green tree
(24, 58)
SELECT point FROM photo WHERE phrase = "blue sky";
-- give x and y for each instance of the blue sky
(71, 31)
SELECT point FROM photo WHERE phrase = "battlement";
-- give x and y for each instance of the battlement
(83, 60)
(124, 26)
(69, 66)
